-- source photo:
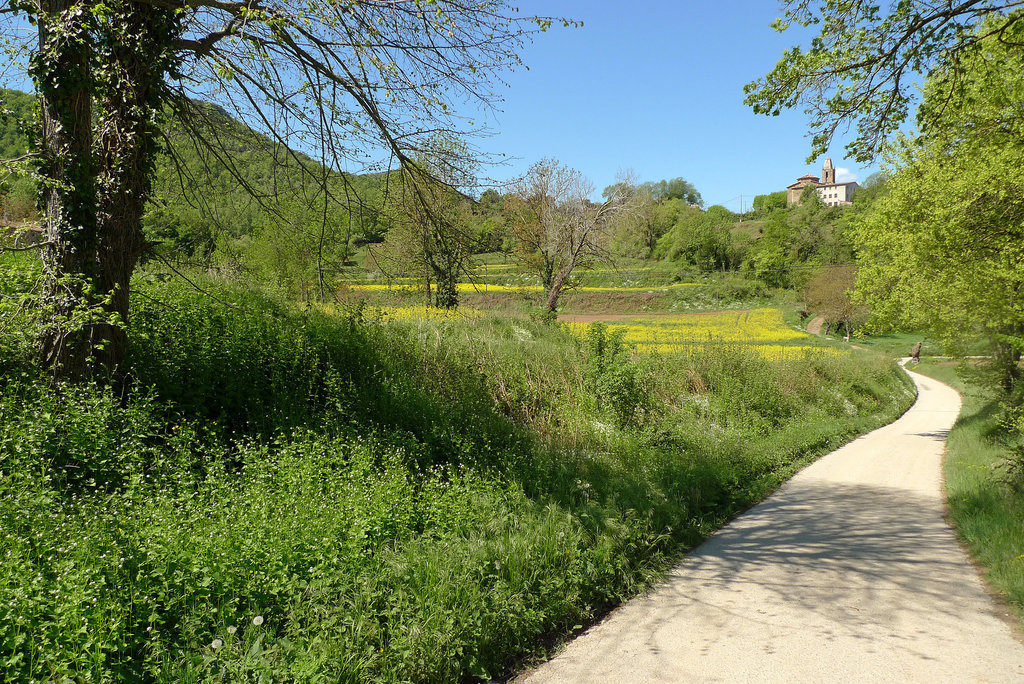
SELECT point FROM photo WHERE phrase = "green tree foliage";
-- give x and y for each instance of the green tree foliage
(17, 191)
(491, 229)
(829, 293)
(861, 66)
(808, 233)
(698, 238)
(677, 188)
(943, 249)
(242, 201)
(15, 107)
(434, 232)
(655, 207)
(765, 204)
(634, 234)
(219, 184)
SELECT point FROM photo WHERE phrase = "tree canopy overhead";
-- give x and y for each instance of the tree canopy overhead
(351, 83)
(863, 66)
(943, 248)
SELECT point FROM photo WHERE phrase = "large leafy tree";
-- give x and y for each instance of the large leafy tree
(677, 188)
(944, 249)
(351, 82)
(699, 238)
(865, 62)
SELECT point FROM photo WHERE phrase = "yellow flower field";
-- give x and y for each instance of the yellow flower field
(762, 330)
(421, 313)
(759, 331)
(404, 314)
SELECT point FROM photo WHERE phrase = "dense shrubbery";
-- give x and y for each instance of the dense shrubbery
(309, 496)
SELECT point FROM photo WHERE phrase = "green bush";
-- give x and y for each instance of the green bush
(616, 381)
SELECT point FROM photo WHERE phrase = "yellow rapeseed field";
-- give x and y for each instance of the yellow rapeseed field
(762, 330)
(424, 313)
(405, 314)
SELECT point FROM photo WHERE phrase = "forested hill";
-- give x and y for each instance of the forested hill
(13, 142)
(218, 184)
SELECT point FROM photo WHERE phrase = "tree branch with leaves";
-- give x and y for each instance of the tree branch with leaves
(365, 83)
(863, 67)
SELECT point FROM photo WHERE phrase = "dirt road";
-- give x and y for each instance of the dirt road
(849, 573)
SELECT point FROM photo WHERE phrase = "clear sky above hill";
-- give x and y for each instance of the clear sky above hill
(656, 86)
(652, 86)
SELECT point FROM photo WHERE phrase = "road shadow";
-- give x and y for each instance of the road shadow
(856, 555)
(939, 435)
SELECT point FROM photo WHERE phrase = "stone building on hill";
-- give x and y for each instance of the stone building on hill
(830, 192)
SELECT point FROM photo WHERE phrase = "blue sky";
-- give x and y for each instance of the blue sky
(657, 88)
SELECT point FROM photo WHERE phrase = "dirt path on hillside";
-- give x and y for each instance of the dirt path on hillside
(848, 573)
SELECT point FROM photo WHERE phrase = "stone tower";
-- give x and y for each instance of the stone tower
(828, 173)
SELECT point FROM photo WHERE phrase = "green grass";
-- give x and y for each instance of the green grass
(897, 345)
(987, 513)
(300, 496)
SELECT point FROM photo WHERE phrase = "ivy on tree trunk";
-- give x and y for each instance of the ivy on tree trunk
(102, 87)
(61, 70)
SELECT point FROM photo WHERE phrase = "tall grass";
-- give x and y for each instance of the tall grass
(987, 510)
(301, 495)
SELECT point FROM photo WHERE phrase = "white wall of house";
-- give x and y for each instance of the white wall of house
(837, 194)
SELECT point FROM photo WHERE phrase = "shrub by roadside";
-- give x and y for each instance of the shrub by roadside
(981, 466)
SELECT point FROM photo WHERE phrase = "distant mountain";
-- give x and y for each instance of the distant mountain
(220, 184)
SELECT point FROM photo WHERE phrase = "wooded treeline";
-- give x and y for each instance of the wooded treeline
(247, 205)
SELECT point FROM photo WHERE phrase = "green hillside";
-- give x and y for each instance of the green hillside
(219, 184)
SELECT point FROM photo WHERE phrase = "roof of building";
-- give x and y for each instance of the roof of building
(804, 181)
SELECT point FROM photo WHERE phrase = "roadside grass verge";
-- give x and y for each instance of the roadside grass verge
(297, 495)
(987, 512)
(898, 345)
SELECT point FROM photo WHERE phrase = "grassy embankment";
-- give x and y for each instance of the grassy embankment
(987, 512)
(374, 496)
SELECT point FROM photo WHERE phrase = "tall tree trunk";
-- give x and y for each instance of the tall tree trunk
(446, 290)
(131, 104)
(70, 261)
(557, 283)
(98, 185)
